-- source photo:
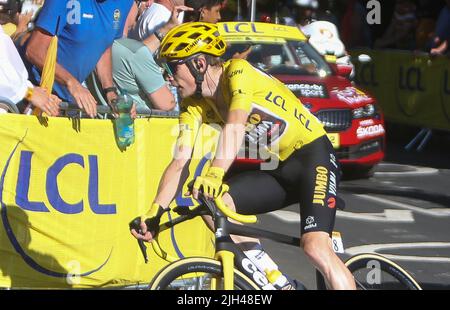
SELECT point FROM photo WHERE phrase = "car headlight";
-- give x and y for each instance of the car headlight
(366, 111)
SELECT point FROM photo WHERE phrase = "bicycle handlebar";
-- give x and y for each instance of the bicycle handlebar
(135, 224)
(247, 219)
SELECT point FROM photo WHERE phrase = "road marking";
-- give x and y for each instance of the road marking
(391, 216)
(415, 171)
(436, 212)
(286, 216)
(376, 248)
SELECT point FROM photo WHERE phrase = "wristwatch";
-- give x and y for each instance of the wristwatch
(110, 89)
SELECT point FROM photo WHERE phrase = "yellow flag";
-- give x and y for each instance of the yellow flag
(9, 29)
(48, 72)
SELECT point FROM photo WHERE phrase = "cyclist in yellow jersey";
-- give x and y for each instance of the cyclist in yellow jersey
(250, 105)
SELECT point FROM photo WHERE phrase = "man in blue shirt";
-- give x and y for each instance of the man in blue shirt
(86, 30)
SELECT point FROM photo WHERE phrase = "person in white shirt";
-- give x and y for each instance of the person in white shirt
(153, 18)
(15, 87)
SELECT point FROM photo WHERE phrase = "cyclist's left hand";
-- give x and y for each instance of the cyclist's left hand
(210, 184)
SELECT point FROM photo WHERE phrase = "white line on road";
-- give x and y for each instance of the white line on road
(436, 212)
(392, 216)
(286, 216)
(414, 170)
(376, 248)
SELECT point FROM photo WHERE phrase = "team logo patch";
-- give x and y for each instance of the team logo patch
(116, 21)
(255, 119)
(117, 15)
(263, 127)
(331, 202)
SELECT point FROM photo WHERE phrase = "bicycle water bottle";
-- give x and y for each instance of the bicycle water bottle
(176, 97)
(124, 123)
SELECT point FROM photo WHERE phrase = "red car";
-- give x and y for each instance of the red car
(352, 118)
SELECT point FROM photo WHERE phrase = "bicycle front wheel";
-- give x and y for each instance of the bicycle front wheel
(197, 273)
(375, 272)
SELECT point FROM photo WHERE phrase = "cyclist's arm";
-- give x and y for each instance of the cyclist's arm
(241, 89)
(190, 121)
(231, 139)
(173, 176)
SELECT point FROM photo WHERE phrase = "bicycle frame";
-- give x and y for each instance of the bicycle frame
(230, 255)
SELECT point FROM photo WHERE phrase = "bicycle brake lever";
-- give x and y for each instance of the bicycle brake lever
(143, 250)
(135, 224)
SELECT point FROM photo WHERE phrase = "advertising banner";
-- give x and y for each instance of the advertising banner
(68, 192)
(411, 88)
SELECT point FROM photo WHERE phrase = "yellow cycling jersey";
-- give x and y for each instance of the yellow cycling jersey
(277, 120)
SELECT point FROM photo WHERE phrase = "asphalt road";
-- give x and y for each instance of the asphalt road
(403, 211)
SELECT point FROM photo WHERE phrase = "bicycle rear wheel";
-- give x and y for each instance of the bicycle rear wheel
(196, 273)
(375, 272)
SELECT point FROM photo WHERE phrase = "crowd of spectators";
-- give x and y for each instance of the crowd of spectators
(415, 25)
(116, 39)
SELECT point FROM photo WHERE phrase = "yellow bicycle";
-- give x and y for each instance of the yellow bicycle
(230, 269)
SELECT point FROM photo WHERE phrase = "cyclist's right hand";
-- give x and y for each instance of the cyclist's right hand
(140, 231)
(146, 227)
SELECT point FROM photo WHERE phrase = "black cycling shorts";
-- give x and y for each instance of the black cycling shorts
(310, 176)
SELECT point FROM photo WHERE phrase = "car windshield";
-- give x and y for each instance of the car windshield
(287, 57)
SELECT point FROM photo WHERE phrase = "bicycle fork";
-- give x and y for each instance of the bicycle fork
(227, 259)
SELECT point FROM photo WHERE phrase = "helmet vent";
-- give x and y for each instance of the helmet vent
(179, 34)
(165, 48)
(181, 47)
(195, 35)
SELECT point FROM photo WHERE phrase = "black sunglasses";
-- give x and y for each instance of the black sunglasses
(171, 67)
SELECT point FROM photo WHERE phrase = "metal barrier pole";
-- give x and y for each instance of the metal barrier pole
(423, 136)
(253, 11)
(105, 110)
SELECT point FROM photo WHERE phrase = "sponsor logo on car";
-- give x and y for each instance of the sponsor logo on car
(370, 131)
(308, 90)
(351, 95)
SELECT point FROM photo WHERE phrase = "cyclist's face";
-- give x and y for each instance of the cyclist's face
(182, 78)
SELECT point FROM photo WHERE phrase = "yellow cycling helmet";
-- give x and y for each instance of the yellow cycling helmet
(190, 39)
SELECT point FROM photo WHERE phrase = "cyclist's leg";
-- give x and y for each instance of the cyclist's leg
(318, 248)
(255, 192)
(318, 185)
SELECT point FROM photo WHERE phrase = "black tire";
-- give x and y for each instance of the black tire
(179, 275)
(394, 277)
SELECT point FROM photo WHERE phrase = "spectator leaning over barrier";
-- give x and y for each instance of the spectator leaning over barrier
(136, 73)
(86, 32)
(441, 38)
(154, 17)
(14, 85)
(14, 22)
(207, 11)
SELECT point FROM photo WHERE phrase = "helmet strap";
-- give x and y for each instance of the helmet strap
(199, 78)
